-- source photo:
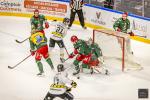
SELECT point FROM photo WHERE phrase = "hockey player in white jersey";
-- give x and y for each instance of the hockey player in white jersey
(57, 36)
(62, 85)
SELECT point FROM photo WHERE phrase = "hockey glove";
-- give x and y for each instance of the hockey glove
(74, 84)
(46, 25)
(131, 33)
(71, 55)
(68, 89)
(75, 51)
(32, 52)
(118, 29)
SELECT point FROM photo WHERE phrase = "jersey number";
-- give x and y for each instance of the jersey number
(59, 29)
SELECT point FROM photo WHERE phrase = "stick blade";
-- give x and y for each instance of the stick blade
(17, 41)
(10, 67)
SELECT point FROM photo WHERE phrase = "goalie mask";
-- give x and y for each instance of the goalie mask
(60, 68)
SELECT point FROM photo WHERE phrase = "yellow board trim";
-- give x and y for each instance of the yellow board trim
(75, 22)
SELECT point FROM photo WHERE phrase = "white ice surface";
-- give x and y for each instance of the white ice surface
(22, 83)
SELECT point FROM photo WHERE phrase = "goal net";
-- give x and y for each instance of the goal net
(113, 46)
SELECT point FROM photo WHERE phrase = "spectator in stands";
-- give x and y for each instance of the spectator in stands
(109, 4)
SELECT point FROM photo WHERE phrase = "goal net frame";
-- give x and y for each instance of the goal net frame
(121, 36)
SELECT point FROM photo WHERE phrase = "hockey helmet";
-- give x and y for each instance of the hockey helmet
(66, 20)
(36, 13)
(74, 38)
(60, 67)
(36, 10)
(125, 13)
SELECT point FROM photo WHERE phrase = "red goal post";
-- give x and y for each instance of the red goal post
(111, 36)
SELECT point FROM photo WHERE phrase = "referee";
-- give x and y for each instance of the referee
(76, 7)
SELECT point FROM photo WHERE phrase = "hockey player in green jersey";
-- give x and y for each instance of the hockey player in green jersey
(96, 62)
(39, 48)
(96, 53)
(37, 21)
(122, 24)
(83, 52)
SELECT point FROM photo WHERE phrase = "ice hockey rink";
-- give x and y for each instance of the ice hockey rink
(21, 83)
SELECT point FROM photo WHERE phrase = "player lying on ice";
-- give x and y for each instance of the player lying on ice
(88, 53)
(62, 85)
(39, 48)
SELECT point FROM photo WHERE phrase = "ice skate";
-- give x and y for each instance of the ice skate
(41, 74)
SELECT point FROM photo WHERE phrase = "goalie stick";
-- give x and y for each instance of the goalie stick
(19, 62)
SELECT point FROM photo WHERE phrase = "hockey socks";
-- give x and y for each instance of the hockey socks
(85, 66)
(40, 66)
(49, 61)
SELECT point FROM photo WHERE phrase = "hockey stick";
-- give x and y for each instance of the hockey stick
(19, 62)
(66, 59)
(65, 48)
(141, 36)
(22, 40)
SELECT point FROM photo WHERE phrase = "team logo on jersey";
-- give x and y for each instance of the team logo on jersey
(37, 38)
